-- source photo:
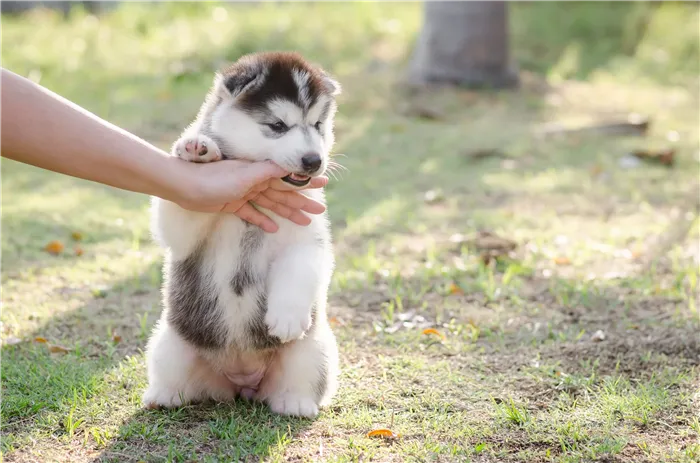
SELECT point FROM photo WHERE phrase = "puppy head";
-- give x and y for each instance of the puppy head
(276, 106)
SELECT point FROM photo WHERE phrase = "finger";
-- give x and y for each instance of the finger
(248, 213)
(295, 200)
(279, 209)
(247, 198)
(259, 172)
(318, 182)
(293, 215)
(233, 206)
(251, 196)
(280, 185)
(262, 186)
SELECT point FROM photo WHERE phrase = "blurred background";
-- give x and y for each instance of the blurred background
(520, 177)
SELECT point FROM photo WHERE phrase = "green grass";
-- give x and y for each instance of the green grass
(519, 375)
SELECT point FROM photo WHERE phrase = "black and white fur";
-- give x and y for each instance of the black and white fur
(244, 310)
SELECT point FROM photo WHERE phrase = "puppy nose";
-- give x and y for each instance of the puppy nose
(311, 162)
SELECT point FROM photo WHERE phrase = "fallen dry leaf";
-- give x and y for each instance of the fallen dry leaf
(56, 349)
(598, 336)
(386, 433)
(434, 332)
(40, 339)
(663, 156)
(562, 261)
(117, 339)
(54, 247)
(77, 236)
(335, 321)
(78, 251)
(455, 289)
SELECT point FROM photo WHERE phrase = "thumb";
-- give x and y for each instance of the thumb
(259, 172)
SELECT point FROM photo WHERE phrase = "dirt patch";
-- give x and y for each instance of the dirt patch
(642, 351)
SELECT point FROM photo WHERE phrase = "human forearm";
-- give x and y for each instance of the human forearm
(47, 131)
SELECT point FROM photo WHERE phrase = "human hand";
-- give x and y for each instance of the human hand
(232, 185)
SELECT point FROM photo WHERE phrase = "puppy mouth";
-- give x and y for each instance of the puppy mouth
(297, 179)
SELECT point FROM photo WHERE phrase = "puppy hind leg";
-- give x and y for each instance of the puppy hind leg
(177, 375)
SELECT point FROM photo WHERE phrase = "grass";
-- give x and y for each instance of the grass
(521, 374)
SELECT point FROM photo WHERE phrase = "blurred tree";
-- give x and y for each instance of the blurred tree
(464, 43)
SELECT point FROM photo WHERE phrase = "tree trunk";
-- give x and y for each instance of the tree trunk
(464, 43)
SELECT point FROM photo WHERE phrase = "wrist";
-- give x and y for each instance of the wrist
(172, 181)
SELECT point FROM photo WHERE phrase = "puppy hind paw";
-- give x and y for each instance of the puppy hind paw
(293, 405)
(155, 399)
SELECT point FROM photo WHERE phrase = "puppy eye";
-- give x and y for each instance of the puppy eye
(317, 125)
(278, 127)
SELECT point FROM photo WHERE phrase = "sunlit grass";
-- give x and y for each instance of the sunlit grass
(517, 376)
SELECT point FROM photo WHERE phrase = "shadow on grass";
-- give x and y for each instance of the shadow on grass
(39, 386)
(98, 384)
(235, 431)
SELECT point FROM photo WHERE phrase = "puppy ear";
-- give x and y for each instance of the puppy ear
(235, 84)
(332, 86)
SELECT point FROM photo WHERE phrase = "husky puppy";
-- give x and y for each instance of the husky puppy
(245, 311)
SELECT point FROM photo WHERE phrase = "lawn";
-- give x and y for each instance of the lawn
(582, 344)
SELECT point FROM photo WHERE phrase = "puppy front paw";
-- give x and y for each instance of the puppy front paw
(197, 148)
(287, 322)
(293, 405)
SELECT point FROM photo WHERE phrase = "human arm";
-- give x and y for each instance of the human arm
(46, 130)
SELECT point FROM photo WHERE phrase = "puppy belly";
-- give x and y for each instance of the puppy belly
(247, 384)
(246, 371)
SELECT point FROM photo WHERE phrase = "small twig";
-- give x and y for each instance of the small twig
(633, 126)
(665, 424)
